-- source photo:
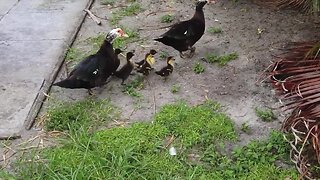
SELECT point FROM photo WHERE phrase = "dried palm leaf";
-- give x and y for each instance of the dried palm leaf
(296, 77)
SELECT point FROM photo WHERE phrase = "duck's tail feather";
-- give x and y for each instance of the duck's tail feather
(72, 84)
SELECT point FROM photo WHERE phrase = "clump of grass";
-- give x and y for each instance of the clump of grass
(214, 30)
(175, 88)
(265, 115)
(74, 55)
(131, 89)
(140, 151)
(167, 18)
(96, 42)
(221, 60)
(198, 68)
(245, 128)
(163, 54)
(127, 11)
(6, 176)
(107, 2)
(75, 115)
(194, 125)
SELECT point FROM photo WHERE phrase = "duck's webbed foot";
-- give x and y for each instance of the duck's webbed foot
(182, 55)
(90, 92)
(192, 52)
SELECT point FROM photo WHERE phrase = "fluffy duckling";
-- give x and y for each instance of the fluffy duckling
(126, 70)
(166, 71)
(147, 65)
(140, 63)
(117, 51)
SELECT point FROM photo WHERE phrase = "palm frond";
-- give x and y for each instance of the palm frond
(296, 77)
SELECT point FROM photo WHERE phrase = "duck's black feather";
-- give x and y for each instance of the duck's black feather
(93, 71)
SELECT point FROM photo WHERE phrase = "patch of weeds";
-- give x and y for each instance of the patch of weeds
(198, 68)
(245, 128)
(96, 42)
(64, 116)
(140, 151)
(107, 2)
(175, 88)
(221, 60)
(193, 125)
(131, 89)
(122, 42)
(163, 54)
(214, 30)
(131, 10)
(74, 55)
(5, 175)
(265, 115)
(167, 18)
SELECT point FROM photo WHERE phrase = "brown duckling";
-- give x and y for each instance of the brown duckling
(166, 71)
(126, 70)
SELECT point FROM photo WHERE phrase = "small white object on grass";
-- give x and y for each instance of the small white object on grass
(172, 151)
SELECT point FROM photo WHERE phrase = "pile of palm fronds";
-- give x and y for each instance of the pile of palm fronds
(304, 5)
(296, 77)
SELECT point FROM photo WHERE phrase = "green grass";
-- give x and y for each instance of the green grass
(245, 128)
(198, 68)
(163, 54)
(107, 2)
(167, 18)
(175, 88)
(131, 89)
(265, 115)
(131, 10)
(140, 151)
(6, 176)
(221, 60)
(65, 115)
(214, 30)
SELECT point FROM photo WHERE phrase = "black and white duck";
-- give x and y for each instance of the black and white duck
(95, 69)
(167, 70)
(126, 69)
(183, 35)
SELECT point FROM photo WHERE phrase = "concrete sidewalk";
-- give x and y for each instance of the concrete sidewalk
(33, 36)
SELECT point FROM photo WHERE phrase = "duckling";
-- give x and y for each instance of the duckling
(147, 65)
(183, 35)
(117, 51)
(126, 70)
(95, 69)
(166, 71)
(140, 63)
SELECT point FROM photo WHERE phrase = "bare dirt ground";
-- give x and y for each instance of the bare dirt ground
(236, 86)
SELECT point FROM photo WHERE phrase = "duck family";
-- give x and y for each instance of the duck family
(96, 69)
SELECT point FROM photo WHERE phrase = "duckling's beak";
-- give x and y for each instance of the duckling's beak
(124, 35)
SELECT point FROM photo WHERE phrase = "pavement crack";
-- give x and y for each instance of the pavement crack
(14, 5)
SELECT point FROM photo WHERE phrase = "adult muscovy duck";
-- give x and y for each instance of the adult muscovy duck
(183, 35)
(95, 69)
